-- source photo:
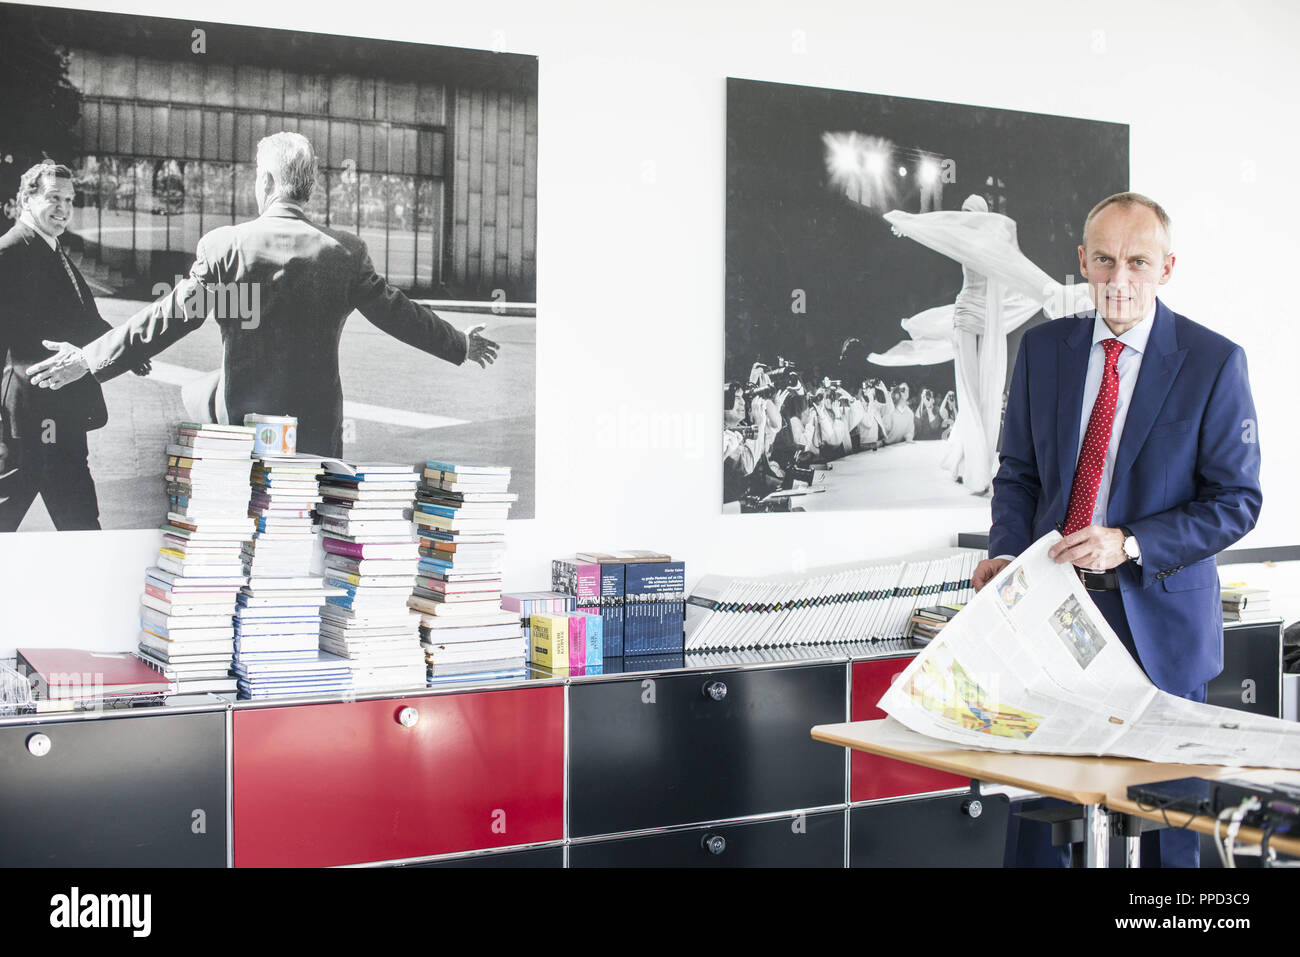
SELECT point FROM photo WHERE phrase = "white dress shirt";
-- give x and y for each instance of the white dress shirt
(1130, 362)
(28, 220)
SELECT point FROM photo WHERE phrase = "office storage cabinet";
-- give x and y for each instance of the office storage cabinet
(710, 764)
(672, 749)
(1251, 679)
(103, 791)
(874, 777)
(797, 840)
(351, 782)
(931, 832)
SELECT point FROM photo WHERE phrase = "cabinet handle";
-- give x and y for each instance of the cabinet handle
(39, 745)
(715, 844)
(408, 717)
(715, 690)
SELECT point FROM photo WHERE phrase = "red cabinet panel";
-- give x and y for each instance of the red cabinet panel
(345, 783)
(876, 777)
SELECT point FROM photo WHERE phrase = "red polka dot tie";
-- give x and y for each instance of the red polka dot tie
(1092, 457)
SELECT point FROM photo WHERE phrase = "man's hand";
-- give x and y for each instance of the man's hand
(986, 571)
(478, 348)
(1096, 547)
(144, 368)
(66, 366)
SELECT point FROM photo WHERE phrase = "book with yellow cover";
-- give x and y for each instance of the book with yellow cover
(550, 641)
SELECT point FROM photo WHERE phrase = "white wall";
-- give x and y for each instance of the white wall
(630, 286)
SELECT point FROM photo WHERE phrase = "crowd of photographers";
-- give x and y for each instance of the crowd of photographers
(775, 428)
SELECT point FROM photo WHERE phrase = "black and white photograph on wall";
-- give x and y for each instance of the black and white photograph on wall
(203, 221)
(884, 257)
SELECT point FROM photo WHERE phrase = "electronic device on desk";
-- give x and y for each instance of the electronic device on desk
(1271, 806)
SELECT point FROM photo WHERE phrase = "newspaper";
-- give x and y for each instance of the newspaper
(1030, 665)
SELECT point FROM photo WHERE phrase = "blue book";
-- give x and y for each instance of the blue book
(654, 607)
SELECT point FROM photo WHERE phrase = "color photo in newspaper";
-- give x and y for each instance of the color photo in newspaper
(1030, 665)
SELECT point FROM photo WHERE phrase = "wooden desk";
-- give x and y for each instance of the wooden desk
(1099, 784)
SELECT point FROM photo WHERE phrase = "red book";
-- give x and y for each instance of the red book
(77, 673)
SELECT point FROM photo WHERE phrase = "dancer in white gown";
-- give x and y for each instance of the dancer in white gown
(1001, 290)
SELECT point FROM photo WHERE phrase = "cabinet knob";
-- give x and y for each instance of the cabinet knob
(713, 843)
(39, 745)
(972, 808)
(408, 717)
(715, 690)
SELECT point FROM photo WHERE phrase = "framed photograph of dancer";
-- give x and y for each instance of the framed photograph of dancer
(884, 256)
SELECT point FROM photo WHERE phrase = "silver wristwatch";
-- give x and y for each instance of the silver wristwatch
(1131, 550)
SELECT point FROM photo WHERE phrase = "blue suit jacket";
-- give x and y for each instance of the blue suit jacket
(1186, 479)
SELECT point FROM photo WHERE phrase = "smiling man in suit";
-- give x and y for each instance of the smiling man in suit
(45, 305)
(1132, 430)
(281, 288)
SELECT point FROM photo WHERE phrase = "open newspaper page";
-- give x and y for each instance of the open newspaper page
(1031, 665)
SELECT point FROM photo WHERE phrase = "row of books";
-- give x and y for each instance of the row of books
(569, 643)
(639, 595)
(460, 517)
(864, 602)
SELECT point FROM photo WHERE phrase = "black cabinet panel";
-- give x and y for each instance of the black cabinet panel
(658, 751)
(533, 857)
(813, 840)
(1251, 679)
(930, 832)
(115, 792)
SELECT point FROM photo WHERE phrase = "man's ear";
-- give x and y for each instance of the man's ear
(1167, 270)
(1083, 262)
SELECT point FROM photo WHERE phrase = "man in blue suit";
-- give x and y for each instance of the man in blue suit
(1132, 430)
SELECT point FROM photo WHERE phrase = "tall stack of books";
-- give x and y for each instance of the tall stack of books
(371, 555)
(277, 621)
(187, 609)
(460, 514)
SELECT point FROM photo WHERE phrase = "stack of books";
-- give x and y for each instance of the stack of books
(285, 490)
(277, 619)
(371, 556)
(1246, 604)
(929, 621)
(187, 609)
(460, 514)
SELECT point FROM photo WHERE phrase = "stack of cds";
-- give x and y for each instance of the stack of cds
(185, 615)
(371, 558)
(460, 513)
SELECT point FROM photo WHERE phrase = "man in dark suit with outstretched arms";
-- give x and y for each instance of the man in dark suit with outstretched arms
(281, 288)
(46, 305)
(1132, 430)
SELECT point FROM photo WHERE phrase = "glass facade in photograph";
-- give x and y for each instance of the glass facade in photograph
(168, 154)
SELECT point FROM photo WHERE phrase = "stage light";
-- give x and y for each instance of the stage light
(875, 163)
(842, 156)
(929, 171)
(902, 171)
